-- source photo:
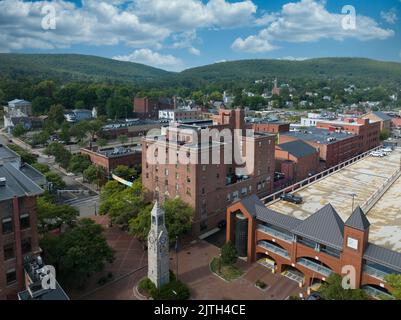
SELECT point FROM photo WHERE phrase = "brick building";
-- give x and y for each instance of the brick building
(333, 147)
(381, 117)
(148, 108)
(271, 127)
(297, 160)
(338, 141)
(110, 158)
(208, 186)
(18, 228)
(368, 132)
(310, 250)
(137, 129)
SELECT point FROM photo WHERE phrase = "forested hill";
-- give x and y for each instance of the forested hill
(353, 69)
(74, 67)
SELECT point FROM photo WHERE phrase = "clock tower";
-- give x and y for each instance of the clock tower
(158, 248)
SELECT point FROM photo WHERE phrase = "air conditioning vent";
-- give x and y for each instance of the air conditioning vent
(3, 182)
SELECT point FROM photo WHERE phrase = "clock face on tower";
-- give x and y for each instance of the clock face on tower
(152, 237)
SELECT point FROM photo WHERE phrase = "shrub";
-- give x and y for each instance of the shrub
(261, 284)
(228, 254)
(174, 290)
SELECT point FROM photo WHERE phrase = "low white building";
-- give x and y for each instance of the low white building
(180, 114)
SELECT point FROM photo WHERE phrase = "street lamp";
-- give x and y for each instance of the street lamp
(353, 195)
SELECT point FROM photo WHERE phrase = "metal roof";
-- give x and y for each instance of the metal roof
(382, 115)
(324, 226)
(298, 148)
(358, 220)
(17, 184)
(7, 153)
(257, 209)
(383, 256)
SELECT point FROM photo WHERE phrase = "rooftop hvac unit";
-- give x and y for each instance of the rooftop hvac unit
(3, 182)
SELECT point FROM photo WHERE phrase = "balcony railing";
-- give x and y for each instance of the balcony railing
(274, 233)
(275, 249)
(378, 274)
(315, 267)
(377, 293)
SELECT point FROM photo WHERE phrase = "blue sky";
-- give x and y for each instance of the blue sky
(178, 34)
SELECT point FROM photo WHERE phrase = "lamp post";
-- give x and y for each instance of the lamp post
(353, 195)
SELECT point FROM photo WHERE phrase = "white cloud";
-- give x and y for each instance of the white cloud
(291, 58)
(253, 44)
(389, 16)
(308, 21)
(180, 15)
(194, 51)
(155, 59)
(185, 40)
(134, 23)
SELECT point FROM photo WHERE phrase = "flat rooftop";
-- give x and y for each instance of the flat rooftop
(6, 153)
(362, 178)
(318, 135)
(17, 184)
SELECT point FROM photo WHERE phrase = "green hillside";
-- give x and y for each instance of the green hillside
(74, 67)
(345, 68)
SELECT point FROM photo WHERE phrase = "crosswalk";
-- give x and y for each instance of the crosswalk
(82, 201)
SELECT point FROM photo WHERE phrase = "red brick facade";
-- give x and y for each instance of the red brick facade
(296, 168)
(340, 265)
(109, 163)
(148, 108)
(271, 127)
(23, 242)
(206, 186)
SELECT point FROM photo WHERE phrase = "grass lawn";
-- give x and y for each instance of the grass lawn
(227, 272)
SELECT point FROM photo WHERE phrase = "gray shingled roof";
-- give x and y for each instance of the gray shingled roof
(325, 227)
(17, 184)
(382, 115)
(383, 256)
(257, 209)
(358, 220)
(298, 148)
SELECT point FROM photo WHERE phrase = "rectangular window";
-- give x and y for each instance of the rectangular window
(11, 277)
(7, 225)
(26, 246)
(9, 252)
(25, 221)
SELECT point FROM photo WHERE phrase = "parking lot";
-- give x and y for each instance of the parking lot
(363, 179)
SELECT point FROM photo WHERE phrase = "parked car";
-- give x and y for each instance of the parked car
(377, 154)
(222, 224)
(315, 296)
(289, 197)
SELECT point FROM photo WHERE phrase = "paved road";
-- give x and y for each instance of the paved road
(87, 206)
